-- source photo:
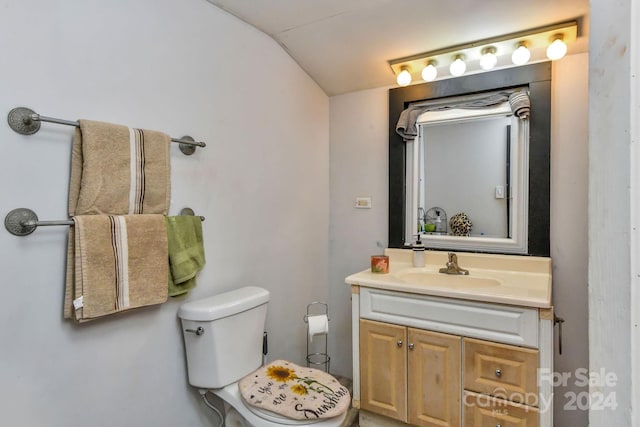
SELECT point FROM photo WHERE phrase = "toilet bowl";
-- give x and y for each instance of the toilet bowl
(256, 417)
(223, 337)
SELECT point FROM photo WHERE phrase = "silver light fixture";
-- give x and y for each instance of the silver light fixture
(558, 48)
(430, 72)
(482, 55)
(522, 54)
(488, 60)
(458, 66)
(404, 77)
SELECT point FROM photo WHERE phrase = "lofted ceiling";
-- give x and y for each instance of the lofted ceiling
(345, 45)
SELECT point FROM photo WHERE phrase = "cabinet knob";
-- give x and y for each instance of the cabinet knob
(399, 343)
(498, 374)
(498, 425)
(410, 346)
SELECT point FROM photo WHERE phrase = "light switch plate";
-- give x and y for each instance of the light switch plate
(363, 203)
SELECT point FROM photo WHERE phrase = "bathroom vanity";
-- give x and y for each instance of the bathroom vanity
(433, 349)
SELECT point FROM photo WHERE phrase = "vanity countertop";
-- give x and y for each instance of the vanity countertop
(505, 279)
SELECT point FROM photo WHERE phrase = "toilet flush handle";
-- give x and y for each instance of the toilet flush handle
(198, 331)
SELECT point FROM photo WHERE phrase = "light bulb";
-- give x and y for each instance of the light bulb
(489, 58)
(404, 78)
(458, 67)
(429, 73)
(557, 49)
(521, 55)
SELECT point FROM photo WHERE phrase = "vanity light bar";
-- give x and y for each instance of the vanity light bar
(536, 40)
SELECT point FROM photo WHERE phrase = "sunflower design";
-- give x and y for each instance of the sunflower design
(299, 389)
(281, 374)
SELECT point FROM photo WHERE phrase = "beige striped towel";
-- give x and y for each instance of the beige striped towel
(116, 170)
(115, 263)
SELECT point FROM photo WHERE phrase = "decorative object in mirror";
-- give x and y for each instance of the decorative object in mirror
(435, 221)
(461, 225)
(477, 144)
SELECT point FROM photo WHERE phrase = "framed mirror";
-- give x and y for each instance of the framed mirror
(498, 176)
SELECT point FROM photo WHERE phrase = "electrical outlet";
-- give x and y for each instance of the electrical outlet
(363, 202)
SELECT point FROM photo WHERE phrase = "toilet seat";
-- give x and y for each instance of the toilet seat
(276, 418)
(263, 418)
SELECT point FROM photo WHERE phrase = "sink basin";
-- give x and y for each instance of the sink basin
(433, 278)
(504, 279)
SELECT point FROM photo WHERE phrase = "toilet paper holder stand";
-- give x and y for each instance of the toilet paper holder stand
(319, 358)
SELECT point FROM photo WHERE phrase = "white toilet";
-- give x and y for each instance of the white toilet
(223, 337)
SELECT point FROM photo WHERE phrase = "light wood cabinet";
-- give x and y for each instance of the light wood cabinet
(429, 361)
(433, 379)
(409, 374)
(383, 369)
(503, 371)
(500, 385)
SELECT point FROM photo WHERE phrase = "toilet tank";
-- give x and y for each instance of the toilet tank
(230, 345)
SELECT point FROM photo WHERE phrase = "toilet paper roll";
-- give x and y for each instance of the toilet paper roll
(318, 325)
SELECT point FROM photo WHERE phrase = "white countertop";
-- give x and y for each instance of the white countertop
(505, 279)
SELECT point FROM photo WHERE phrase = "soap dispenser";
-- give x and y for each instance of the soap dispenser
(418, 253)
(438, 222)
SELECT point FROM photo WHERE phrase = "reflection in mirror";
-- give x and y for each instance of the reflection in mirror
(472, 164)
(465, 168)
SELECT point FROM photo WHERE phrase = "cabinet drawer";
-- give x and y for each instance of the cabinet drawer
(493, 322)
(500, 370)
(486, 411)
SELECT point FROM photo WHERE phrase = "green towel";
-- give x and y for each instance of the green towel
(186, 252)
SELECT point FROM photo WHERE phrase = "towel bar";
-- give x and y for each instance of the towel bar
(24, 221)
(25, 121)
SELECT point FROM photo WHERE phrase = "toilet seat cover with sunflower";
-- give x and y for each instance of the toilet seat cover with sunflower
(294, 391)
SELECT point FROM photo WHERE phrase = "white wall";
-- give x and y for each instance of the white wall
(610, 160)
(183, 68)
(359, 166)
(634, 54)
(568, 223)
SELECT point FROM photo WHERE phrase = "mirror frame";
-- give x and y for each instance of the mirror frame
(537, 77)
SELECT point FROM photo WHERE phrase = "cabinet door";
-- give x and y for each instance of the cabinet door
(383, 369)
(434, 384)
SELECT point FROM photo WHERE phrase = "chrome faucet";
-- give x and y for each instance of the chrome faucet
(453, 267)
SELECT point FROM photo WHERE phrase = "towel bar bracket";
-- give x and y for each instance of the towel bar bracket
(21, 222)
(187, 149)
(21, 121)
